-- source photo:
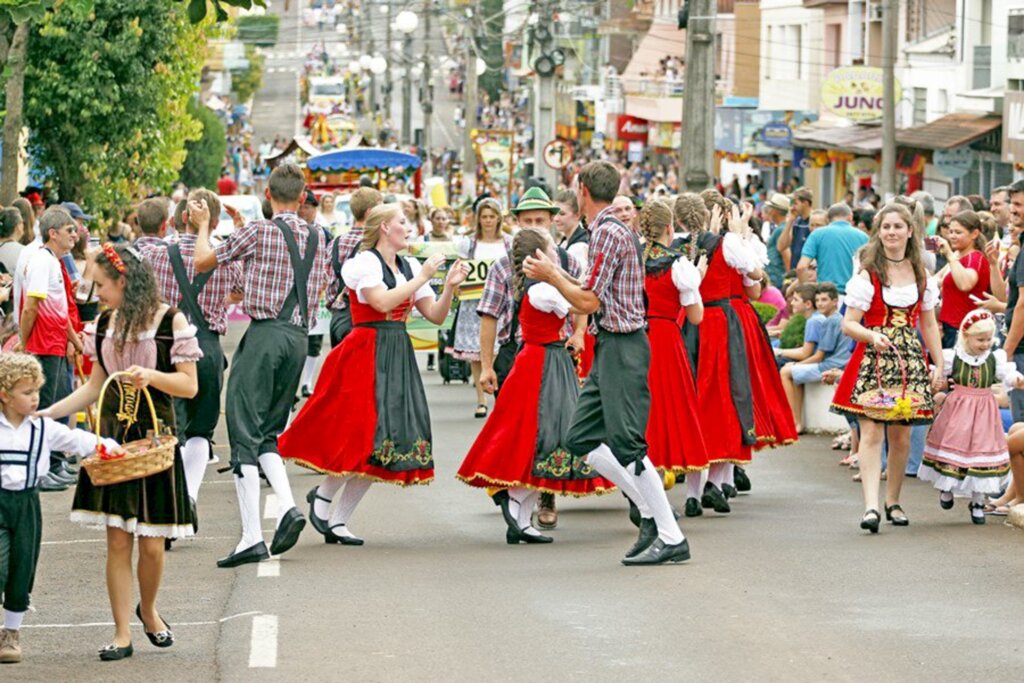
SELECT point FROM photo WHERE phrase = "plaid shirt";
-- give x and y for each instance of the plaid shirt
(347, 245)
(148, 242)
(497, 300)
(616, 276)
(267, 268)
(212, 300)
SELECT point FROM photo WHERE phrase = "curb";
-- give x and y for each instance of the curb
(1016, 516)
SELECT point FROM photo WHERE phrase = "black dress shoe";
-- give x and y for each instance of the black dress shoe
(870, 521)
(648, 534)
(161, 638)
(660, 553)
(287, 534)
(48, 484)
(169, 544)
(740, 479)
(503, 501)
(634, 512)
(714, 499)
(195, 515)
(946, 504)
(896, 520)
(517, 536)
(977, 512)
(306, 393)
(693, 508)
(331, 537)
(729, 491)
(254, 553)
(319, 523)
(112, 653)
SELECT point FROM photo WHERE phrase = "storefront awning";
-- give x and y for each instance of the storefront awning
(655, 109)
(856, 139)
(952, 130)
(663, 39)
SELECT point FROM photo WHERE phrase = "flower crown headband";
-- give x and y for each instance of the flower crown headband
(975, 317)
(115, 259)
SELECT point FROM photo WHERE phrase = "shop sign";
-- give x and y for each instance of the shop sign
(665, 135)
(635, 152)
(953, 163)
(632, 129)
(777, 134)
(1013, 127)
(862, 167)
(855, 93)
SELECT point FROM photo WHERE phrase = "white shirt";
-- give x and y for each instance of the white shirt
(25, 451)
(544, 297)
(365, 271)
(860, 291)
(19, 274)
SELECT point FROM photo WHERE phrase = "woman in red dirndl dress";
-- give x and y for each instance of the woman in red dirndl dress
(675, 442)
(368, 418)
(520, 447)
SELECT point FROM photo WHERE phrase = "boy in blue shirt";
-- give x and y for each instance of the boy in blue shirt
(831, 349)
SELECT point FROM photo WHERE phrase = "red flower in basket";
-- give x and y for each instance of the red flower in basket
(108, 454)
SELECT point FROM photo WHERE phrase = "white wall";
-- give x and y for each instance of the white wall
(801, 93)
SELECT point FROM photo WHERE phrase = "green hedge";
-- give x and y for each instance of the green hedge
(258, 29)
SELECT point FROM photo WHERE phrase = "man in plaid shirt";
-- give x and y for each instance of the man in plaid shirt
(204, 300)
(611, 415)
(152, 217)
(285, 271)
(343, 248)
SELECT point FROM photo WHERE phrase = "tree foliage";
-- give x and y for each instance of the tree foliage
(106, 99)
(205, 155)
(197, 9)
(246, 82)
(491, 47)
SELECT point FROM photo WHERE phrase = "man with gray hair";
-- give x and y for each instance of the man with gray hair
(833, 247)
(927, 202)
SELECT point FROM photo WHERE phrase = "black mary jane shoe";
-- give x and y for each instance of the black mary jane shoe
(648, 535)
(634, 512)
(896, 520)
(714, 498)
(977, 512)
(321, 525)
(517, 536)
(163, 638)
(870, 521)
(729, 491)
(287, 534)
(113, 653)
(254, 553)
(660, 552)
(503, 501)
(741, 480)
(331, 538)
(946, 504)
(169, 544)
(693, 508)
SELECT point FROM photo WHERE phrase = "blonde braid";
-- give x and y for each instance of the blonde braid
(655, 217)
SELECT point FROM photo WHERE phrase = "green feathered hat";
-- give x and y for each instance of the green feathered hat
(535, 199)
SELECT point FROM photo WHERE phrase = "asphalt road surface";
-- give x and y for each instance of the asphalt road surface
(787, 587)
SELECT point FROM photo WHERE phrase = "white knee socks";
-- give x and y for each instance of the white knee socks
(602, 460)
(12, 620)
(526, 498)
(247, 486)
(652, 489)
(273, 467)
(355, 489)
(196, 455)
(716, 473)
(327, 489)
(308, 371)
(730, 471)
(694, 484)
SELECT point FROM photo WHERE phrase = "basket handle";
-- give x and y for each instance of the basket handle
(903, 369)
(103, 391)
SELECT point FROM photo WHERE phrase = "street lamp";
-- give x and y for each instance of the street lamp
(378, 65)
(407, 22)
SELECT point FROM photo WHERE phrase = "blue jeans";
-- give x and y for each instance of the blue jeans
(918, 434)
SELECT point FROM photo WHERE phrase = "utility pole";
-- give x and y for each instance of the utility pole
(890, 22)
(387, 55)
(367, 21)
(544, 113)
(468, 152)
(697, 152)
(427, 96)
(407, 58)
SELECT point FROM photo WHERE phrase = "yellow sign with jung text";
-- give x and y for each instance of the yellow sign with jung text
(855, 93)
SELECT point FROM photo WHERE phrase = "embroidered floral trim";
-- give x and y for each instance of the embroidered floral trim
(560, 464)
(387, 456)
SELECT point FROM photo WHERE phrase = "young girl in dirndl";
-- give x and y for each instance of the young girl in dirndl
(966, 453)
(520, 446)
(675, 440)
(368, 418)
(885, 299)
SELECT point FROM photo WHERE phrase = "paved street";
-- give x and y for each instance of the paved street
(787, 586)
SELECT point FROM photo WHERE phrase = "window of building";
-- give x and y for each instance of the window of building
(786, 50)
(920, 106)
(1015, 35)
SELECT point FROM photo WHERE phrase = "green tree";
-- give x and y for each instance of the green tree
(246, 82)
(107, 96)
(205, 155)
(490, 47)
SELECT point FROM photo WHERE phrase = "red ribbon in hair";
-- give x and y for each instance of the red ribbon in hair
(114, 258)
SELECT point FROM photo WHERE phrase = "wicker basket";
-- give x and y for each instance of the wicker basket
(881, 403)
(142, 458)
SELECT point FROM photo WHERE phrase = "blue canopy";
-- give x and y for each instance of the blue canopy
(362, 160)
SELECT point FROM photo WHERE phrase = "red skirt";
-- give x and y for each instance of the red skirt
(773, 418)
(674, 439)
(516, 449)
(352, 426)
(723, 436)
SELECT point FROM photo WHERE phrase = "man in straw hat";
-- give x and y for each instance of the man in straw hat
(776, 210)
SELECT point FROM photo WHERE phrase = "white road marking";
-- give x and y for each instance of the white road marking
(107, 624)
(268, 568)
(263, 645)
(191, 539)
(270, 507)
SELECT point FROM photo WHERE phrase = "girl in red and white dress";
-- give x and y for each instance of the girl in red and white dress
(723, 382)
(675, 441)
(520, 447)
(370, 394)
